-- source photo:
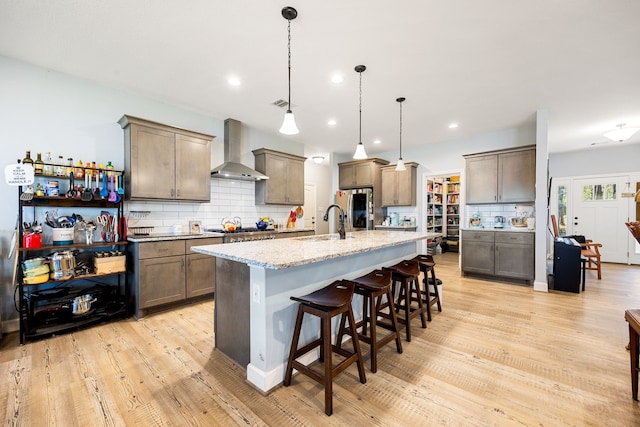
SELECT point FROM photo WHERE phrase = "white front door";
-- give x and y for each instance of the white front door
(599, 213)
(310, 207)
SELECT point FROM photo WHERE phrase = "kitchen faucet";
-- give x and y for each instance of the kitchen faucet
(341, 231)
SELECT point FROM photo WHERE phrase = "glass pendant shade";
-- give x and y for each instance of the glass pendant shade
(400, 166)
(621, 133)
(360, 153)
(289, 124)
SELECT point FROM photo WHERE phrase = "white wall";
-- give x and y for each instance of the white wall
(606, 159)
(44, 111)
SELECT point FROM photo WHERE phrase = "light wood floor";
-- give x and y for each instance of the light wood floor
(496, 355)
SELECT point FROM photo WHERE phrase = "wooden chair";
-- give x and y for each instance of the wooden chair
(590, 251)
(634, 228)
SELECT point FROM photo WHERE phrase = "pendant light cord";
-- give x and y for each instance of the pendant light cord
(400, 130)
(289, 59)
(360, 136)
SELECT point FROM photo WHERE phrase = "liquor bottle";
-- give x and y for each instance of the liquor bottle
(27, 159)
(38, 165)
(48, 166)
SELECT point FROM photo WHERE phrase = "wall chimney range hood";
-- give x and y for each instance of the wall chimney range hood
(232, 168)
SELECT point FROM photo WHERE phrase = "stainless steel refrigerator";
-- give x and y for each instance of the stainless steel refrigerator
(359, 207)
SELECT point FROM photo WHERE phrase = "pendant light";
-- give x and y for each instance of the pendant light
(400, 166)
(360, 153)
(289, 124)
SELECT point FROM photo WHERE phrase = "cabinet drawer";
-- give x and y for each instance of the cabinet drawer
(519, 237)
(161, 249)
(477, 236)
(202, 242)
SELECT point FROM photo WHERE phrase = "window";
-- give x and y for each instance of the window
(599, 192)
(562, 210)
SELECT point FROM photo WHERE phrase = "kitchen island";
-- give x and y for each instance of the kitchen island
(254, 316)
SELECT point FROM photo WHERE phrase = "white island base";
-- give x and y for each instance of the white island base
(277, 270)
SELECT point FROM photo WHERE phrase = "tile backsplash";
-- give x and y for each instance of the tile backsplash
(229, 199)
(489, 212)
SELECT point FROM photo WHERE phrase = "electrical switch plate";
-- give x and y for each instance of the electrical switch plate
(256, 294)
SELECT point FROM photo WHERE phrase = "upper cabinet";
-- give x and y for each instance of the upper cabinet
(285, 185)
(504, 176)
(399, 188)
(360, 173)
(164, 162)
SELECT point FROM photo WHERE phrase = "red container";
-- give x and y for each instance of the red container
(32, 241)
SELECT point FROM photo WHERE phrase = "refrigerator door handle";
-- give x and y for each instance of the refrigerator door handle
(349, 214)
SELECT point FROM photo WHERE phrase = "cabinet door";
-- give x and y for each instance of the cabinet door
(515, 261)
(477, 257)
(517, 177)
(406, 187)
(152, 163)
(201, 275)
(389, 187)
(295, 182)
(276, 185)
(364, 175)
(193, 168)
(346, 176)
(162, 280)
(482, 178)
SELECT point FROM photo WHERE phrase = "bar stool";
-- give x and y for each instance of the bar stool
(373, 287)
(326, 303)
(427, 265)
(406, 274)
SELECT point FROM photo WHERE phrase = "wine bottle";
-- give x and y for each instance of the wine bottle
(38, 165)
(27, 159)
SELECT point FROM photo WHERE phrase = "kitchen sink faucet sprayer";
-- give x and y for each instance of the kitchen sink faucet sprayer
(341, 230)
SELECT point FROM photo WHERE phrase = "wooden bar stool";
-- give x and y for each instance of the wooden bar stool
(427, 265)
(326, 303)
(373, 287)
(405, 273)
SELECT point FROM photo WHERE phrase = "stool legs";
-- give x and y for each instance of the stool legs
(326, 350)
(633, 353)
(427, 294)
(410, 291)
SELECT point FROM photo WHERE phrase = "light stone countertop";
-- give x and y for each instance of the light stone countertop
(169, 236)
(500, 230)
(285, 253)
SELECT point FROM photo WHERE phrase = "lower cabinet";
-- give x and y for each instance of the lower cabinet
(501, 254)
(164, 272)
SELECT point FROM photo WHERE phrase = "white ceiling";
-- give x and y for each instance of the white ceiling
(489, 64)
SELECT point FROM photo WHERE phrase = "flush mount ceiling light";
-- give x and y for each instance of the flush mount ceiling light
(621, 133)
(360, 153)
(318, 159)
(400, 166)
(289, 124)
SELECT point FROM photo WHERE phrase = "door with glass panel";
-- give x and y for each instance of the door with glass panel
(598, 212)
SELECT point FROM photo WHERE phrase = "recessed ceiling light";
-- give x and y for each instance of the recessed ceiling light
(331, 122)
(453, 125)
(376, 141)
(234, 81)
(337, 78)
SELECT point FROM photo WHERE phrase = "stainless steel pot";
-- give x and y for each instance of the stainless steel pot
(82, 304)
(63, 264)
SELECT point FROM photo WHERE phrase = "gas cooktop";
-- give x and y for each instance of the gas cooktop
(239, 230)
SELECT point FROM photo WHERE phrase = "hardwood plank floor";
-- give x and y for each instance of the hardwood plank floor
(497, 355)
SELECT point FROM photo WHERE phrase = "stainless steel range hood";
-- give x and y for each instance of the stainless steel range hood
(232, 168)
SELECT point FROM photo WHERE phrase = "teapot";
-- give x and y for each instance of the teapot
(228, 225)
(262, 223)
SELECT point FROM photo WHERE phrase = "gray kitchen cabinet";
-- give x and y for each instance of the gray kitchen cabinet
(503, 176)
(360, 173)
(166, 271)
(478, 252)
(285, 185)
(514, 255)
(165, 162)
(399, 188)
(500, 254)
